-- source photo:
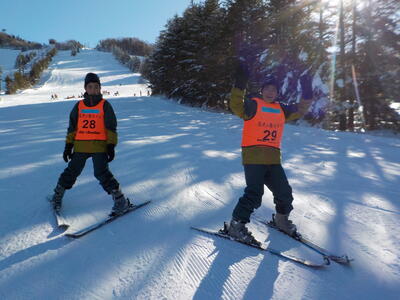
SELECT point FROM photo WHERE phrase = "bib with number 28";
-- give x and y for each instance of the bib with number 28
(91, 122)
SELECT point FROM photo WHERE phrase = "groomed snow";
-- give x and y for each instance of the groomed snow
(187, 161)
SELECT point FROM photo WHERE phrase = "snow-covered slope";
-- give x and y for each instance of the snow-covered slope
(346, 189)
(8, 59)
(7, 64)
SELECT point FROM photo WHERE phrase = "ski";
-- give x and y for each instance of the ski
(344, 259)
(295, 259)
(61, 222)
(107, 220)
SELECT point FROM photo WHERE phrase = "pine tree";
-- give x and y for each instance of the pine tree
(134, 64)
(343, 69)
(350, 121)
(247, 28)
(295, 45)
(163, 61)
(379, 63)
(9, 85)
(205, 59)
(1, 77)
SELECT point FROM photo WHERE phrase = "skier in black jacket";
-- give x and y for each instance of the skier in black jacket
(92, 132)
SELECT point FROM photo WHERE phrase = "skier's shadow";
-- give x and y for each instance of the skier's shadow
(261, 286)
(33, 251)
(218, 278)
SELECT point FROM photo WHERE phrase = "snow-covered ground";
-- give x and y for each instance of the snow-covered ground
(396, 107)
(187, 161)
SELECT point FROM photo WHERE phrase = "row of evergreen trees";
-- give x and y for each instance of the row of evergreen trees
(356, 77)
(72, 45)
(131, 46)
(131, 61)
(23, 81)
(23, 59)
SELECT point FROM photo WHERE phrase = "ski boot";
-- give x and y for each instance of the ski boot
(282, 222)
(239, 232)
(121, 204)
(57, 197)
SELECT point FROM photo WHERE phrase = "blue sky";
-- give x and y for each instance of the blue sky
(87, 21)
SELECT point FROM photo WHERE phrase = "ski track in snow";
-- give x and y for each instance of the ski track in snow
(187, 161)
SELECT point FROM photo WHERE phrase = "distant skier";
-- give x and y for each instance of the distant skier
(92, 132)
(264, 121)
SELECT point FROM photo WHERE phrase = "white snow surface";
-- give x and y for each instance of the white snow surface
(396, 107)
(188, 162)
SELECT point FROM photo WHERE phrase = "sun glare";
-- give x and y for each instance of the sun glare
(337, 2)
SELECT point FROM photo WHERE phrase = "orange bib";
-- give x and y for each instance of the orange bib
(266, 127)
(91, 125)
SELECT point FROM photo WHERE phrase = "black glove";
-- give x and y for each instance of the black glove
(67, 155)
(110, 152)
(306, 87)
(242, 74)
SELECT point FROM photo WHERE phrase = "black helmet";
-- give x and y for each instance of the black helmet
(270, 81)
(91, 77)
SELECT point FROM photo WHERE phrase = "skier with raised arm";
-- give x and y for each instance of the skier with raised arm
(264, 122)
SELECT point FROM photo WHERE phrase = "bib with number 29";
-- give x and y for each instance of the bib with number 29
(266, 127)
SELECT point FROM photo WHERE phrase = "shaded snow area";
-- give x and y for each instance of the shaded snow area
(187, 161)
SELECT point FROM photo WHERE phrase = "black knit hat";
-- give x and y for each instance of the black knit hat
(270, 81)
(91, 77)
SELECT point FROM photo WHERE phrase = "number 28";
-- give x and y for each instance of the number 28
(87, 124)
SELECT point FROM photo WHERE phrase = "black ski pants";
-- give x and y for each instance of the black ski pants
(274, 177)
(100, 166)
